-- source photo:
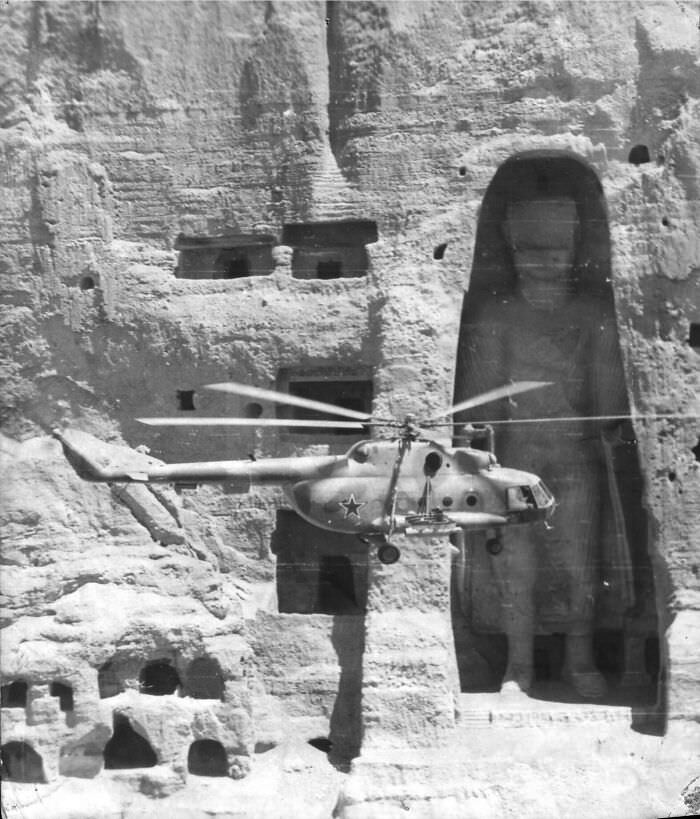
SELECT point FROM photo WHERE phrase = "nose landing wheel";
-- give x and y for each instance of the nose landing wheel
(388, 553)
(494, 546)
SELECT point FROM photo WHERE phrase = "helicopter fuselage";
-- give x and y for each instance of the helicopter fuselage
(436, 484)
(376, 488)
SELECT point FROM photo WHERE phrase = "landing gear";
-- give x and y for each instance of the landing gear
(494, 546)
(388, 553)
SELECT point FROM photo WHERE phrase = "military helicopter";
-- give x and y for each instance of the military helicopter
(408, 484)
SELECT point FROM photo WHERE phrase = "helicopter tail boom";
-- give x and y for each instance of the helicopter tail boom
(96, 461)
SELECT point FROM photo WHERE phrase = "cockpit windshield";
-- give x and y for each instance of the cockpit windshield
(536, 496)
(543, 496)
(519, 498)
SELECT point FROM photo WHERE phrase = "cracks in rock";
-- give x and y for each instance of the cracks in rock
(149, 510)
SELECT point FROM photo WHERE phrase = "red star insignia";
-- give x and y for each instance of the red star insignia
(352, 506)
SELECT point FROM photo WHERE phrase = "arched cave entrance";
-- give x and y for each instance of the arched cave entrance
(19, 762)
(205, 680)
(158, 678)
(127, 748)
(207, 757)
(562, 330)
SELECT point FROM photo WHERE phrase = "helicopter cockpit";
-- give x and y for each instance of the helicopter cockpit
(526, 502)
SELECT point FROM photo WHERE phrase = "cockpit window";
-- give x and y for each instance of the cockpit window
(543, 496)
(520, 497)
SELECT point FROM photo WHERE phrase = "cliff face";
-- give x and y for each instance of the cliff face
(287, 195)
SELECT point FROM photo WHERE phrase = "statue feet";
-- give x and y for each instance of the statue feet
(579, 667)
(589, 684)
(517, 680)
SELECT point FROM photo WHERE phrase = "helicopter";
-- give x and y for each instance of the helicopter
(409, 484)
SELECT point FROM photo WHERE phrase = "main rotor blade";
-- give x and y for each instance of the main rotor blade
(247, 422)
(573, 418)
(284, 398)
(491, 395)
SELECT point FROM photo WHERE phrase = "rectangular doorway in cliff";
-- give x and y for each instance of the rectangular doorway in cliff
(318, 572)
(231, 256)
(540, 308)
(348, 389)
(330, 250)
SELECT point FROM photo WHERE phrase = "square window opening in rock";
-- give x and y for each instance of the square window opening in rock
(14, 694)
(224, 257)
(351, 393)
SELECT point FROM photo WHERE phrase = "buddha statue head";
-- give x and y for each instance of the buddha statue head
(542, 235)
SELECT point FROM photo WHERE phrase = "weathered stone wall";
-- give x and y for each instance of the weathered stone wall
(126, 124)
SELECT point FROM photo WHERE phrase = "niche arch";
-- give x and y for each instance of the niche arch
(207, 757)
(550, 173)
(624, 618)
(159, 678)
(19, 762)
(126, 748)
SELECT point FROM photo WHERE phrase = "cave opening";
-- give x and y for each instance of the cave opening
(207, 757)
(19, 762)
(127, 748)
(230, 256)
(185, 400)
(351, 393)
(540, 307)
(694, 335)
(639, 155)
(14, 694)
(158, 678)
(64, 693)
(205, 680)
(330, 250)
(329, 269)
(238, 266)
(252, 410)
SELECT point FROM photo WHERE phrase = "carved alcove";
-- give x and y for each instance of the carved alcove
(127, 748)
(330, 250)
(19, 762)
(207, 757)
(14, 694)
(233, 256)
(564, 331)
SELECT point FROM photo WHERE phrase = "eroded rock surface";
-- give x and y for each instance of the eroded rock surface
(331, 160)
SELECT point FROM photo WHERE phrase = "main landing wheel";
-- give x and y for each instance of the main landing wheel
(494, 546)
(388, 553)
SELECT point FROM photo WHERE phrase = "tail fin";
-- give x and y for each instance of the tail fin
(94, 460)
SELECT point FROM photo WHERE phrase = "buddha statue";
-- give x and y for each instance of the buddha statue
(549, 327)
